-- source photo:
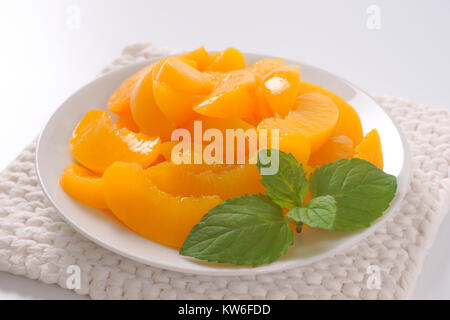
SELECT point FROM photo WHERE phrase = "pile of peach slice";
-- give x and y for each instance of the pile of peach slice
(124, 163)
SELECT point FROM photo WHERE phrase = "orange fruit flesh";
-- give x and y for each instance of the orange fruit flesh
(175, 105)
(126, 121)
(166, 200)
(180, 76)
(226, 60)
(96, 144)
(280, 88)
(146, 114)
(166, 151)
(313, 115)
(370, 149)
(148, 211)
(262, 67)
(234, 96)
(348, 123)
(119, 102)
(176, 180)
(84, 186)
(337, 147)
(200, 56)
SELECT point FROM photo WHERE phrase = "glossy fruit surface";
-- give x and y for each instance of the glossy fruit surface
(175, 179)
(370, 149)
(148, 211)
(200, 56)
(146, 113)
(96, 144)
(119, 102)
(348, 123)
(337, 147)
(280, 88)
(313, 115)
(84, 186)
(226, 60)
(233, 96)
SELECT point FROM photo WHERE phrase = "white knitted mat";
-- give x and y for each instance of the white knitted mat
(37, 243)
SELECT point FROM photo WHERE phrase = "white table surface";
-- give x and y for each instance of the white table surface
(46, 56)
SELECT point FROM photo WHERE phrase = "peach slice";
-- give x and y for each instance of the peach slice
(146, 114)
(119, 102)
(234, 96)
(176, 180)
(84, 186)
(337, 147)
(96, 144)
(126, 121)
(175, 105)
(200, 56)
(262, 67)
(148, 211)
(348, 123)
(226, 60)
(280, 88)
(314, 115)
(180, 76)
(370, 149)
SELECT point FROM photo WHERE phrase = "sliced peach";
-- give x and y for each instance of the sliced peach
(296, 143)
(280, 88)
(166, 151)
(146, 114)
(119, 102)
(227, 60)
(148, 211)
(370, 149)
(348, 123)
(337, 147)
(175, 105)
(174, 179)
(234, 96)
(84, 186)
(314, 115)
(126, 121)
(96, 144)
(262, 67)
(180, 76)
(262, 109)
(200, 56)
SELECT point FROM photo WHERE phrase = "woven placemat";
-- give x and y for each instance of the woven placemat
(37, 243)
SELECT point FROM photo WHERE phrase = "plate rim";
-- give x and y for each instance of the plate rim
(404, 175)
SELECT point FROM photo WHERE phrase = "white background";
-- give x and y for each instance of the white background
(45, 57)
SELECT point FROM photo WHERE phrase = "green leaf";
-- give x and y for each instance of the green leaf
(288, 187)
(319, 212)
(361, 190)
(250, 229)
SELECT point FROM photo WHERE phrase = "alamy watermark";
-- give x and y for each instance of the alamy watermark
(73, 281)
(238, 146)
(73, 20)
(373, 21)
(374, 279)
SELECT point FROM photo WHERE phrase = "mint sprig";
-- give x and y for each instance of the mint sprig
(319, 213)
(361, 190)
(289, 186)
(251, 229)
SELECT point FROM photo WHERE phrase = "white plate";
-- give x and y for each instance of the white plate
(53, 155)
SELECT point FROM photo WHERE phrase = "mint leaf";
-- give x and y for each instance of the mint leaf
(250, 229)
(289, 186)
(361, 190)
(319, 212)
